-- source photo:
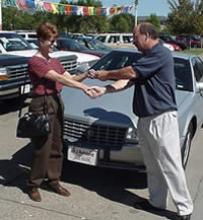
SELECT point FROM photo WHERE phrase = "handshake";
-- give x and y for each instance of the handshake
(99, 74)
(95, 91)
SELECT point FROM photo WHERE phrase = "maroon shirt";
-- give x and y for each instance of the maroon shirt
(38, 68)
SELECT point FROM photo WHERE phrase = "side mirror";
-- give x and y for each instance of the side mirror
(200, 86)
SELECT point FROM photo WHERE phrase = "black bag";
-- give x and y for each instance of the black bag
(33, 125)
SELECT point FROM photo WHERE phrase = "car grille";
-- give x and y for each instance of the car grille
(69, 65)
(94, 135)
(18, 71)
(21, 71)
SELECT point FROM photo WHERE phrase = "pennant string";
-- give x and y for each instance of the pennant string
(65, 9)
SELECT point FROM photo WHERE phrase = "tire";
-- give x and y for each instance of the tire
(185, 150)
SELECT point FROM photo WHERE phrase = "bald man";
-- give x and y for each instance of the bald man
(155, 105)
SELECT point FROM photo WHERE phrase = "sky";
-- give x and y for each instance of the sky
(145, 7)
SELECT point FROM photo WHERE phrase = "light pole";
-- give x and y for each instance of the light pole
(136, 4)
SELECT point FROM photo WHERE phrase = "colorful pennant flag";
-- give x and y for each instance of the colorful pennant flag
(65, 9)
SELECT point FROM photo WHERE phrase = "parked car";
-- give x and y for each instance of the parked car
(103, 131)
(178, 45)
(14, 78)
(94, 45)
(12, 43)
(192, 41)
(68, 44)
(116, 39)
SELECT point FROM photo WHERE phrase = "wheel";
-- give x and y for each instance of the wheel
(185, 150)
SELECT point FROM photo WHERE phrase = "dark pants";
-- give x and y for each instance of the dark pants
(48, 156)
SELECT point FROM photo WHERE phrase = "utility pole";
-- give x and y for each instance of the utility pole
(136, 4)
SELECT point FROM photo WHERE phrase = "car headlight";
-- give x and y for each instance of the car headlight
(131, 135)
(3, 73)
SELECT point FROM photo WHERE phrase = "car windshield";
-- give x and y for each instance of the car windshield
(70, 44)
(117, 59)
(14, 42)
(94, 44)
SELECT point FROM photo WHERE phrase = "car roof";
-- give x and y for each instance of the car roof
(175, 54)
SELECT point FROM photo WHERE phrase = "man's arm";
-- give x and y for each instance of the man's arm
(123, 73)
(114, 87)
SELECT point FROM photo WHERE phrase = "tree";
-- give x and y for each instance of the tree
(186, 16)
(121, 23)
(154, 20)
(83, 24)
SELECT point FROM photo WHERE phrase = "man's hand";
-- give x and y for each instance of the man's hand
(99, 74)
(96, 91)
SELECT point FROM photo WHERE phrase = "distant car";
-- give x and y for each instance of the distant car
(94, 45)
(116, 39)
(178, 45)
(69, 44)
(192, 41)
(103, 131)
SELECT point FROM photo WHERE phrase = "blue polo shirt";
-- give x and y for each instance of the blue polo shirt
(155, 87)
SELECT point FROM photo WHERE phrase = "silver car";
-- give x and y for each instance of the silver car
(103, 131)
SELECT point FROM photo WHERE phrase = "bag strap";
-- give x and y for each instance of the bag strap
(45, 106)
(21, 104)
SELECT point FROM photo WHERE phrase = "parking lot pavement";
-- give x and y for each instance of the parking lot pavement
(96, 194)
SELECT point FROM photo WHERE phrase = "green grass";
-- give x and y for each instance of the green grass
(196, 51)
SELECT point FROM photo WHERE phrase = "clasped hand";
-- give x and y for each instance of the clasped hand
(95, 91)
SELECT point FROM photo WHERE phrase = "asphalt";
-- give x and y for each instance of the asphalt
(96, 194)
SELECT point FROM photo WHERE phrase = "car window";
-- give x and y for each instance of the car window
(101, 38)
(183, 74)
(198, 69)
(70, 44)
(116, 60)
(127, 39)
(114, 39)
(14, 42)
(96, 44)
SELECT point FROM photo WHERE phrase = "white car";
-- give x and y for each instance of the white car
(12, 43)
(103, 131)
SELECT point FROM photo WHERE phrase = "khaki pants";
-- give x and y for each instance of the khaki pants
(48, 156)
(160, 145)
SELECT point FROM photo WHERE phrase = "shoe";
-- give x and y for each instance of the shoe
(145, 205)
(34, 194)
(184, 217)
(57, 188)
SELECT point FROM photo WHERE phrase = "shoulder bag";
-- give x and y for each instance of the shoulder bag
(32, 125)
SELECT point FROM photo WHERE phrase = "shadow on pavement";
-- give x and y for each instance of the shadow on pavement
(12, 105)
(14, 172)
(109, 183)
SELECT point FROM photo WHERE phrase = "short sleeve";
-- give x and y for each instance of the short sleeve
(62, 70)
(38, 66)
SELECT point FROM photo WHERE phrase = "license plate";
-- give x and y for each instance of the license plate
(25, 89)
(83, 155)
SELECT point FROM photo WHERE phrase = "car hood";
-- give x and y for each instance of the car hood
(115, 108)
(82, 57)
(8, 60)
